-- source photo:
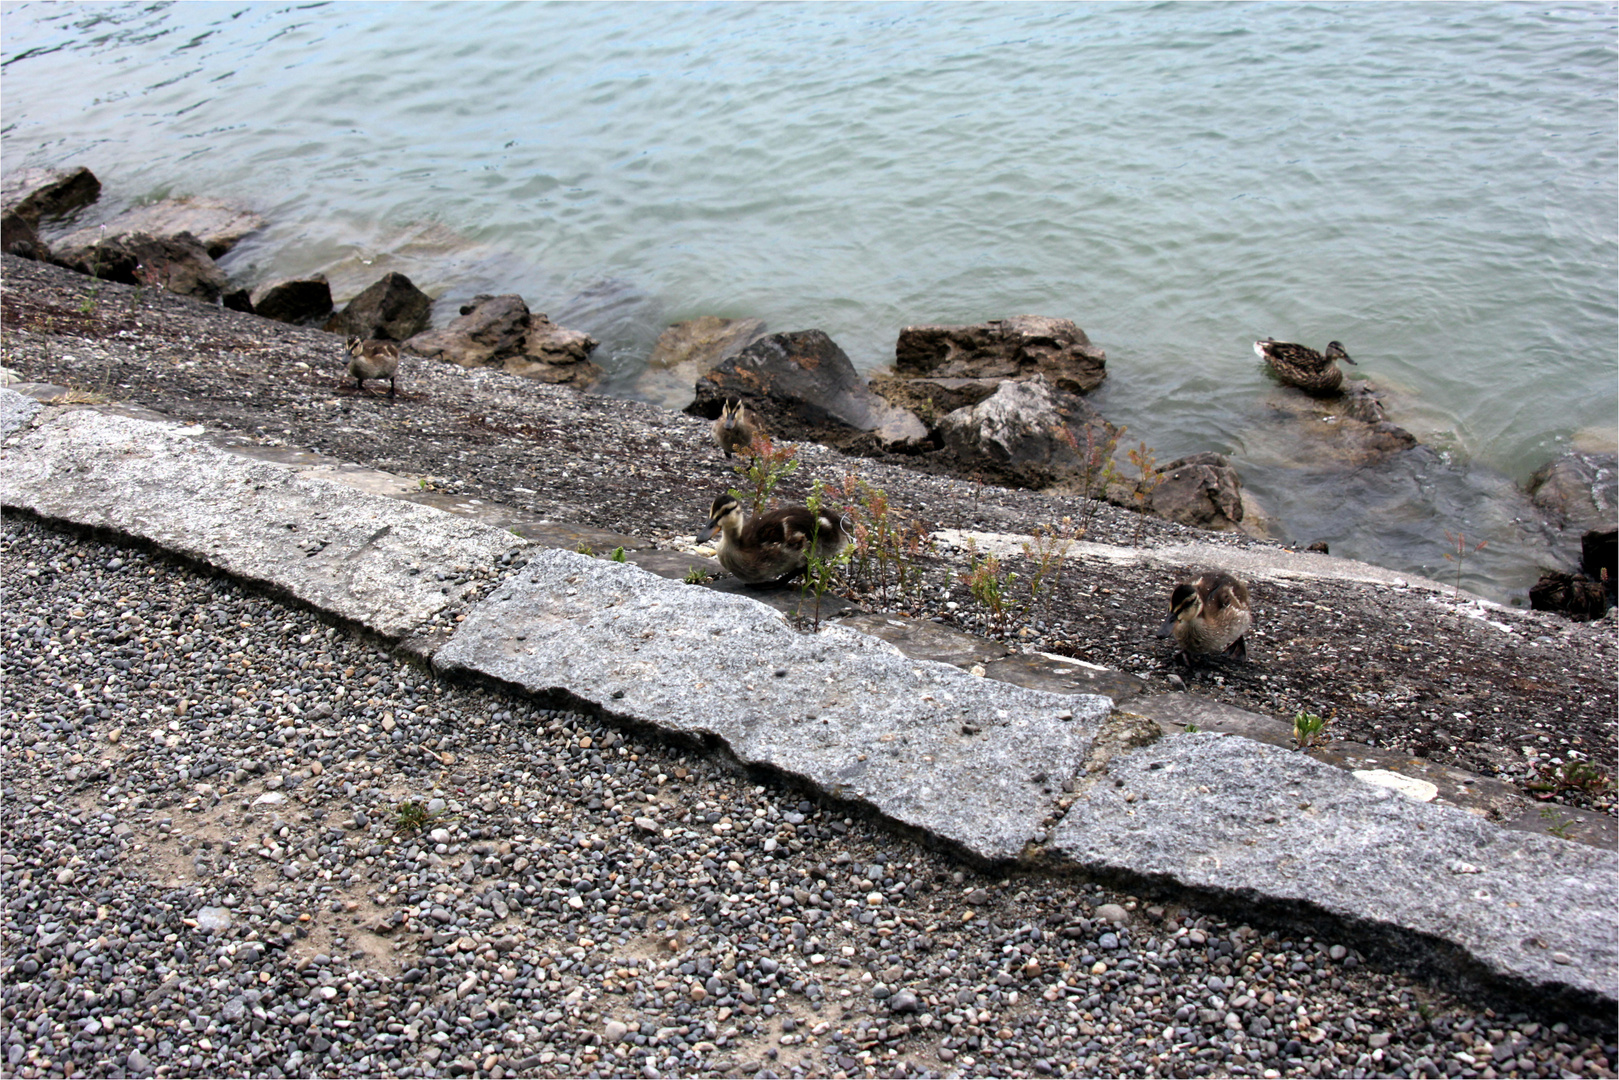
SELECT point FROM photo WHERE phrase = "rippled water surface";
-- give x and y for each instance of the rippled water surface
(1432, 185)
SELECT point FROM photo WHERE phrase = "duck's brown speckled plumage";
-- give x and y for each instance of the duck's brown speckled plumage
(774, 545)
(736, 427)
(1303, 367)
(373, 360)
(1209, 615)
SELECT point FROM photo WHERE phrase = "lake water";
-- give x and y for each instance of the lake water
(1436, 186)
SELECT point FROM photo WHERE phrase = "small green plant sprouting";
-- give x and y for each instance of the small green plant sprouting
(584, 549)
(820, 571)
(763, 466)
(695, 576)
(1460, 555)
(1560, 827)
(883, 546)
(1191, 729)
(421, 483)
(1307, 729)
(1148, 481)
(988, 585)
(616, 555)
(1047, 549)
(412, 818)
(1580, 776)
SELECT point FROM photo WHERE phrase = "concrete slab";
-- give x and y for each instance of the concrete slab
(16, 410)
(1252, 823)
(373, 561)
(977, 763)
(926, 640)
(1063, 675)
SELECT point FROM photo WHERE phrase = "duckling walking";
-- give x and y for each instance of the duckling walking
(1209, 615)
(736, 426)
(1314, 373)
(373, 360)
(774, 546)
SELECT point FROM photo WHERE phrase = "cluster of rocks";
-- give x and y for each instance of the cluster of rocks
(1579, 494)
(244, 842)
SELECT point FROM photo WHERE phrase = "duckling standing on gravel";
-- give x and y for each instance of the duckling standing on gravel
(736, 426)
(1209, 615)
(373, 360)
(774, 546)
(1297, 365)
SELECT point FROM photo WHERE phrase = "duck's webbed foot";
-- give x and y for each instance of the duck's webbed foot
(1238, 648)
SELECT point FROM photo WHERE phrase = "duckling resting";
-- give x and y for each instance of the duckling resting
(1209, 615)
(736, 427)
(373, 360)
(773, 546)
(1310, 371)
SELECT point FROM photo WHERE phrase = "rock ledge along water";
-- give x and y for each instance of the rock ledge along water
(387, 565)
(1464, 899)
(974, 762)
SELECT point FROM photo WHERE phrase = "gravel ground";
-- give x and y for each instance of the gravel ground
(238, 841)
(1521, 696)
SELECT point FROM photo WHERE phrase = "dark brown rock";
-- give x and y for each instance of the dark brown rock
(1575, 595)
(238, 300)
(1004, 349)
(217, 226)
(931, 400)
(390, 309)
(300, 301)
(18, 237)
(179, 264)
(1202, 490)
(499, 331)
(804, 386)
(1028, 434)
(1347, 431)
(1599, 556)
(37, 195)
(1578, 490)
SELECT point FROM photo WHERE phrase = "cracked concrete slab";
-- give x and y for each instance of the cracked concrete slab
(373, 561)
(1251, 822)
(974, 762)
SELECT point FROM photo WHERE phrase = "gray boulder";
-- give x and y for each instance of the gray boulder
(302, 301)
(1202, 490)
(1578, 490)
(500, 331)
(805, 387)
(391, 308)
(218, 226)
(704, 342)
(930, 399)
(1027, 434)
(37, 195)
(1012, 348)
(17, 237)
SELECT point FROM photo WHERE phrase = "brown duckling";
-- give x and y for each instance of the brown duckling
(1310, 371)
(736, 427)
(773, 546)
(1209, 615)
(373, 359)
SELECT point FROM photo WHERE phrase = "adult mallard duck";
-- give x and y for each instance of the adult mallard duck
(736, 427)
(373, 360)
(1303, 367)
(1209, 615)
(773, 546)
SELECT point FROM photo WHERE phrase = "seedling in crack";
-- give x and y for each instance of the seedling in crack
(1308, 729)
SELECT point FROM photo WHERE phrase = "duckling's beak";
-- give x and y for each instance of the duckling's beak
(1168, 627)
(713, 527)
(1346, 358)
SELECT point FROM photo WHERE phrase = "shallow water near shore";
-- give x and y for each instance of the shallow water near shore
(1433, 185)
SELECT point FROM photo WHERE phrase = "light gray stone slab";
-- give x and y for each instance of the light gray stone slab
(1253, 822)
(15, 411)
(379, 562)
(971, 761)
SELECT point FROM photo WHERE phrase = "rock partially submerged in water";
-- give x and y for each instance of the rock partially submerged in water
(704, 342)
(1028, 434)
(391, 308)
(300, 301)
(500, 331)
(1350, 430)
(1574, 595)
(1202, 490)
(36, 195)
(179, 263)
(217, 225)
(805, 387)
(1578, 490)
(1013, 348)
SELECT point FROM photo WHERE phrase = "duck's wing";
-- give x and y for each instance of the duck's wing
(1221, 592)
(1286, 352)
(787, 526)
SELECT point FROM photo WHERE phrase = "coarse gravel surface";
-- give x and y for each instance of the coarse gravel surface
(1527, 697)
(241, 842)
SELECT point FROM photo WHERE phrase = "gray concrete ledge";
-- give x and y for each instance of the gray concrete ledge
(999, 771)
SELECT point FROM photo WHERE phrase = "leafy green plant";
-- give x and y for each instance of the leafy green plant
(1308, 729)
(1191, 728)
(412, 817)
(1558, 826)
(819, 570)
(695, 576)
(884, 549)
(1096, 468)
(988, 585)
(584, 549)
(1579, 776)
(1460, 554)
(1047, 549)
(616, 555)
(763, 466)
(88, 305)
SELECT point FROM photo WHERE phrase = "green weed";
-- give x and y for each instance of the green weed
(1308, 729)
(763, 466)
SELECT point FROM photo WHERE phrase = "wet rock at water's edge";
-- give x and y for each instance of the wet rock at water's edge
(805, 387)
(36, 195)
(1027, 434)
(1347, 431)
(217, 226)
(1011, 348)
(931, 399)
(1574, 595)
(17, 237)
(1202, 490)
(500, 331)
(704, 342)
(391, 308)
(1578, 490)
(179, 263)
(301, 301)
